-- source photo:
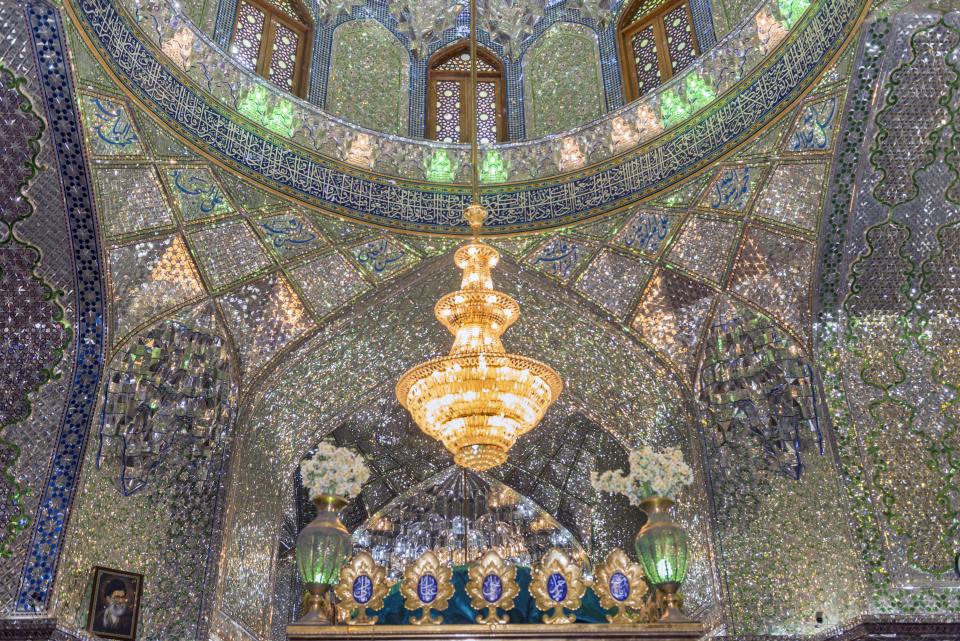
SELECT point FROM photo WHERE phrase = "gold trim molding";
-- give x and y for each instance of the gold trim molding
(511, 632)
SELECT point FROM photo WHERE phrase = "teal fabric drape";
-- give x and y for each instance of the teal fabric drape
(459, 610)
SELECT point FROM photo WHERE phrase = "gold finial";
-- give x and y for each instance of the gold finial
(492, 585)
(475, 215)
(427, 584)
(556, 583)
(619, 584)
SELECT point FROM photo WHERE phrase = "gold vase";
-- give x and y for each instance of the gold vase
(322, 547)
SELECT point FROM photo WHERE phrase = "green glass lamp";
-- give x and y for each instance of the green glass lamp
(322, 548)
(493, 169)
(662, 550)
(440, 167)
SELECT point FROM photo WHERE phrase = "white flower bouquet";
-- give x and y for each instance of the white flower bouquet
(652, 473)
(333, 471)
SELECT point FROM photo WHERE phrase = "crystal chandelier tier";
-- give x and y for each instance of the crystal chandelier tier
(478, 399)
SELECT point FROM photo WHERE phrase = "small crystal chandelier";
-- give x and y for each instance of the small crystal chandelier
(478, 399)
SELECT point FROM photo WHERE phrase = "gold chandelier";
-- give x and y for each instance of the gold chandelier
(478, 399)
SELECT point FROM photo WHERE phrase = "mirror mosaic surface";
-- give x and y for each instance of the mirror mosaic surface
(183, 332)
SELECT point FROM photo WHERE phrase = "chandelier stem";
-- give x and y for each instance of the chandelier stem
(478, 399)
(463, 511)
(472, 111)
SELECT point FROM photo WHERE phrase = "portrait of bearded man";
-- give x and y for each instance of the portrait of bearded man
(113, 613)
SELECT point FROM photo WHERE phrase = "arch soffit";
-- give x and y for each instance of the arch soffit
(252, 389)
(290, 377)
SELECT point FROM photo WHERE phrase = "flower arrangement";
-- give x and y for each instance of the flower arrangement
(652, 473)
(333, 471)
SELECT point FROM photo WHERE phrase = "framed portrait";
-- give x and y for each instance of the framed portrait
(114, 604)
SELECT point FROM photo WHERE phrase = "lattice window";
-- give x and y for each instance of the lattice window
(248, 33)
(679, 29)
(656, 42)
(641, 10)
(272, 37)
(448, 111)
(286, 6)
(449, 95)
(644, 46)
(283, 59)
(486, 113)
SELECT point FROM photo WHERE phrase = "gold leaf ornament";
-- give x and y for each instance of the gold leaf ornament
(363, 584)
(619, 584)
(492, 584)
(556, 585)
(428, 585)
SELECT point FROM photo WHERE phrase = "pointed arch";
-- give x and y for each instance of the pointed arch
(449, 93)
(307, 396)
(274, 39)
(369, 79)
(656, 40)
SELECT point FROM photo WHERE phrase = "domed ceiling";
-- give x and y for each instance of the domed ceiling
(718, 101)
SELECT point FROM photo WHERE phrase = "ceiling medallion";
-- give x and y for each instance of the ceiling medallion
(478, 400)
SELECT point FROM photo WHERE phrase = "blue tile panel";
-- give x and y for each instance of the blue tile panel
(703, 24)
(61, 114)
(223, 25)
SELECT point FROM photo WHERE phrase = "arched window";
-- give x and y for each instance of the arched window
(448, 95)
(656, 42)
(272, 37)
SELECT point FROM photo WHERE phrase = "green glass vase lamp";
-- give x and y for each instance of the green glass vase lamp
(331, 476)
(656, 476)
(662, 550)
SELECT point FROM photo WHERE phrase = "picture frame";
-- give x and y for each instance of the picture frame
(114, 604)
